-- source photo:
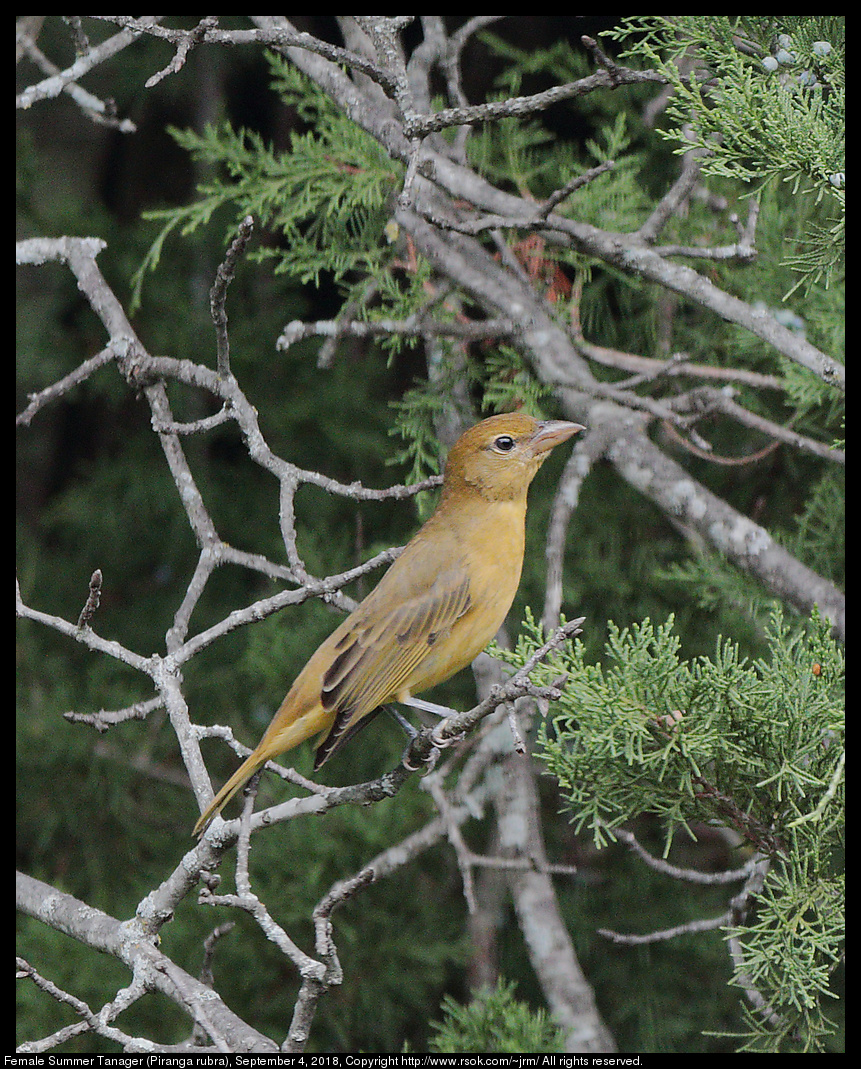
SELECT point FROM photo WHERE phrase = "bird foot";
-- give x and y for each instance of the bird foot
(443, 744)
(428, 765)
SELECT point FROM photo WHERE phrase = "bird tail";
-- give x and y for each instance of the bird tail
(277, 740)
(239, 778)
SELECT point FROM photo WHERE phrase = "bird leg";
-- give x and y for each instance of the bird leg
(441, 711)
(409, 730)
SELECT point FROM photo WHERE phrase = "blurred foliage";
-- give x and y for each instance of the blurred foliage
(495, 1022)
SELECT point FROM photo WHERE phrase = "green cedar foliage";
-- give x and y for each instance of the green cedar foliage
(327, 196)
(756, 746)
(495, 1022)
(764, 97)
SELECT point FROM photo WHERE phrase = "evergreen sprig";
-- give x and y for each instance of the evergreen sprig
(495, 1022)
(820, 537)
(327, 196)
(765, 98)
(756, 746)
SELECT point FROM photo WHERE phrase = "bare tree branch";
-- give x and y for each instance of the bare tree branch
(130, 943)
(96, 1023)
(65, 80)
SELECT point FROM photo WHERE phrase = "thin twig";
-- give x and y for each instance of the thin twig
(451, 728)
(103, 720)
(86, 636)
(421, 126)
(280, 38)
(205, 423)
(64, 81)
(674, 199)
(93, 599)
(580, 180)
(102, 112)
(63, 385)
(415, 326)
(511, 712)
(433, 785)
(97, 1023)
(708, 399)
(677, 873)
(218, 294)
(209, 945)
(183, 48)
(688, 928)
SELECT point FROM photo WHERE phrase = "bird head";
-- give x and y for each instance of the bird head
(498, 458)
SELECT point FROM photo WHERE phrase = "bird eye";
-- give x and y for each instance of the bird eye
(504, 443)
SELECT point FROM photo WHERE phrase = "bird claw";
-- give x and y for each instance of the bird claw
(439, 744)
(443, 744)
(429, 764)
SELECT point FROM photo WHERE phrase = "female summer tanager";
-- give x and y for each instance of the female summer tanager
(434, 610)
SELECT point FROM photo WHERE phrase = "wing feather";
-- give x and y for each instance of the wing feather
(376, 656)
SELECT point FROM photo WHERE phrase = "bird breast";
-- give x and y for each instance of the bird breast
(493, 563)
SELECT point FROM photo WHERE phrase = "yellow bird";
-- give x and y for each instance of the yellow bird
(433, 611)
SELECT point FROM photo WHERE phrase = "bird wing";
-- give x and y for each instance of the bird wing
(376, 655)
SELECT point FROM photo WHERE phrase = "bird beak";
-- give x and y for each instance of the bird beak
(553, 432)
